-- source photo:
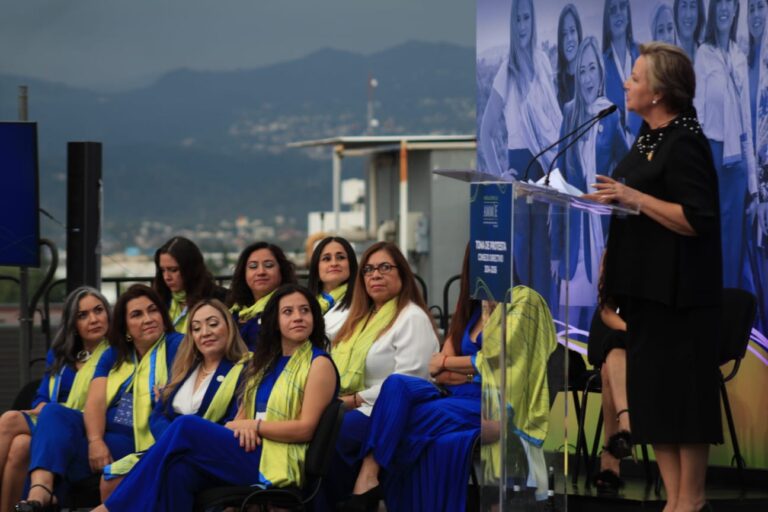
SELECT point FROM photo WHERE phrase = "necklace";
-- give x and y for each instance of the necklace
(204, 371)
(83, 356)
(648, 143)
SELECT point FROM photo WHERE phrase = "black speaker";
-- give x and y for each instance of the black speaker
(84, 198)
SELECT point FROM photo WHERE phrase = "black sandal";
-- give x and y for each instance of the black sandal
(608, 482)
(36, 506)
(620, 444)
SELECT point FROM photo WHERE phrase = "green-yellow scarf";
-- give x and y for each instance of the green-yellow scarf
(530, 340)
(328, 300)
(349, 354)
(245, 314)
(282, 464)
(151, 371)
(177, 312)
(216, 410)
(79, 391)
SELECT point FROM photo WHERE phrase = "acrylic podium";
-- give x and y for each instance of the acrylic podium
(535, 254)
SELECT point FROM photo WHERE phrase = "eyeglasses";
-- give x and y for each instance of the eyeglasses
(383, 268)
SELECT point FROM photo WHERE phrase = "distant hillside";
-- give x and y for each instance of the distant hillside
(199, 146)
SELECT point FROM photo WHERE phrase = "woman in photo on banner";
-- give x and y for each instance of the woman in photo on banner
(596, 152)
(758, 83)
(722, 104)
(690, 19)
(569, 36)
(619, 55)
(663, 24)
(523, 94)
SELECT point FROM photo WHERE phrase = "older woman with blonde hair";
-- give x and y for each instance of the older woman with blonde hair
(665, 267)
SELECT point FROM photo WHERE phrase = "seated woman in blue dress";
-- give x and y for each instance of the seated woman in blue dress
(388, 331)
(72, 445)
(332, 272)
(261, 268)
(182, 279)
(287, 384)
(204, 379)
(411, 413)
(70, 363)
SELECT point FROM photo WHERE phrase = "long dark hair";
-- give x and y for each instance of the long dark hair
(464, 307)
(239, 292)
(710, 36)
(607, 37)
(700, 20)
(198, 281)
(269, 349)
(562, 63)
(67, 342)
(119, 327)
(314, 283)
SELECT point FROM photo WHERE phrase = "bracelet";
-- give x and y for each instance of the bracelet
(442, 364)
(470, 376)
(258, 426)
(355, 397)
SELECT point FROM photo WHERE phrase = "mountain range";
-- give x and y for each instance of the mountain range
(197, 147)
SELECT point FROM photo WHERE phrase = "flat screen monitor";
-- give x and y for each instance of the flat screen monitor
(19, 195)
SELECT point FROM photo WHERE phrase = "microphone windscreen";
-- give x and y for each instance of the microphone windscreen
(607, 111)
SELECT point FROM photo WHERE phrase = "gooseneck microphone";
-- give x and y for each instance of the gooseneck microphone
(605, 112)
(587, 126)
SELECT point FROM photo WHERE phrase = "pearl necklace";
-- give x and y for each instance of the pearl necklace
(648, 143)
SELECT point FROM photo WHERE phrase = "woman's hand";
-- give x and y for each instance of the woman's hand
(240, 424)
(248, 437)
(437, 364)
(610, 191)
(450, 378)
(350, 402)
(98, 455)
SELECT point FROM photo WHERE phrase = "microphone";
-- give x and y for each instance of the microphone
(605, 112)
(589, 124)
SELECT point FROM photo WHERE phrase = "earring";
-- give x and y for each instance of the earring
(654, 101)
(129, 338)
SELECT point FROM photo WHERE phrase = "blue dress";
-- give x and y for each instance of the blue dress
(192, 455)
(60, 444)
(163, 413)
(249, 330)
(421, 438)
(63, 381)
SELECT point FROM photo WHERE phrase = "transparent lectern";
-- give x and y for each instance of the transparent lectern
(535, 264)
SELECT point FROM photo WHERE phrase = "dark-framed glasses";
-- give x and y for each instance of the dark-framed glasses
(383, 268)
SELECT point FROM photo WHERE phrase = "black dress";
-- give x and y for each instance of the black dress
(671, 288)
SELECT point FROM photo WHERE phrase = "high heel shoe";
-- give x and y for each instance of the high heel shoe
(366, 502)
(36, 506)
(620, 444)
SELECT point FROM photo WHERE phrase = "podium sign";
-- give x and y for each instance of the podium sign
(491, 220)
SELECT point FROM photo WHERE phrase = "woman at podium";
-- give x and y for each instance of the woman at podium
(665, 266)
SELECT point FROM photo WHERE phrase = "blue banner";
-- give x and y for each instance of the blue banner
(490, 229)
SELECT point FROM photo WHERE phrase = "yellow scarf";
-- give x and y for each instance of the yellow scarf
(216, 410)
(282, 464)
(177, 312)
(151, 371)
(245, 314)
(328, 300)
(349, 354)
(220, 402)
(530, 340)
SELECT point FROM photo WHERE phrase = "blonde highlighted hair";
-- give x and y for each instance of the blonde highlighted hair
(189, 356)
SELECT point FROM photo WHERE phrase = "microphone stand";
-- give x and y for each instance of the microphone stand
(573, 141)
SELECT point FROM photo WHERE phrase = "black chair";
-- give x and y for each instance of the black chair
(739, 310)
(316, 465)
(592, 383)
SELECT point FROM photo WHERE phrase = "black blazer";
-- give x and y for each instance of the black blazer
(648, 261)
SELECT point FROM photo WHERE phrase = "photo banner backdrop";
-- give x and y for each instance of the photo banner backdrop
(546, 66)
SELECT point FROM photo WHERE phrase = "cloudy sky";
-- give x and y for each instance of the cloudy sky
(113, 43)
